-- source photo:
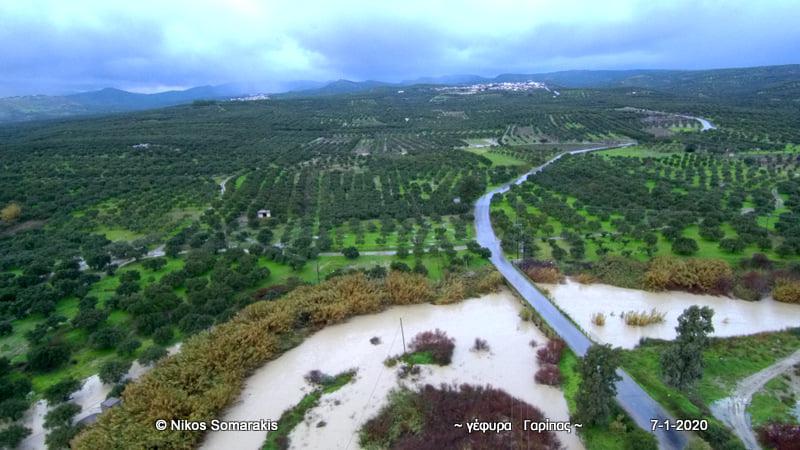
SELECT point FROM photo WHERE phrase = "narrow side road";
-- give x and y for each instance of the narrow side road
(733, 410)
(630, 396)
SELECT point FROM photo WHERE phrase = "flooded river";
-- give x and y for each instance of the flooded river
(732, 317)
(89, 397)
(334, 424)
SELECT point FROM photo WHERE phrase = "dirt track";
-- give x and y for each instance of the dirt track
(733, 410)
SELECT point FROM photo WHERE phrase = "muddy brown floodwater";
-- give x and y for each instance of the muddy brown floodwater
(334, 423)
(732, 317)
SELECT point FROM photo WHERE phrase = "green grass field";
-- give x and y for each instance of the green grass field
(776, 402)
(497, 158)
(118, 234)
(639, 151)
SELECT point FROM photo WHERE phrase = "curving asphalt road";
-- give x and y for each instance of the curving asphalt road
(632, 398)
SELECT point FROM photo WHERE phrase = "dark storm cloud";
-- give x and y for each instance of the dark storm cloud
(54, 47)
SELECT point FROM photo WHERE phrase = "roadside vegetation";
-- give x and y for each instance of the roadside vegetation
(617, 432)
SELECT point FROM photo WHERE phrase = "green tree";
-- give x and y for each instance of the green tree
(350, 252)
(48, 356)
(684, 246)
(11, 436)
(152, 354)
(60, 437)
(13, 408)
(682, 362)
(61, 391)
(113, 371)
(597, 389)
(61, 415)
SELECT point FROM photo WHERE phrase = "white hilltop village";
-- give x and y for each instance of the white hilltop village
(505, 86)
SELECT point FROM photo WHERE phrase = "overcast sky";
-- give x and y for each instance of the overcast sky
(62, 46)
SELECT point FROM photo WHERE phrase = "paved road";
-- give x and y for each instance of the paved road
(706, 124)
(632, 398)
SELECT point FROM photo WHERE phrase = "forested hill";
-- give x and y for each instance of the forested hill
(109, 100)
(717, 82)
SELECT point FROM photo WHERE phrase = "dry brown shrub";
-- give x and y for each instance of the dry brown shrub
(547, 275)
(643, 318)
(667, 272)
(599, 319)
(10, 212)
(712, 276)
(787, 291)
(452, 290)
(707, 276)
(585, 278)
(489, 280)
(407, 288)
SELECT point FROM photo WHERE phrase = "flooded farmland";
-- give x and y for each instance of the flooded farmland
(732, 317)
(334, 423)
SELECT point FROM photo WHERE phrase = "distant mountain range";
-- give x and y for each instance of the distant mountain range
(683, 82)
(740, 81)
(109, 100)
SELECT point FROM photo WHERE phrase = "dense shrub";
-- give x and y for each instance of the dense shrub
(452, 290)
(424, 421)
(639, 439)
(620, 271)
(751, 285)
(548, 374)
(787, 291)
(406, 289)
(707, 276)
(586, 278)
(437, 343)
(780, 436)
(551, 352)
(541, 271)
(643, 318)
